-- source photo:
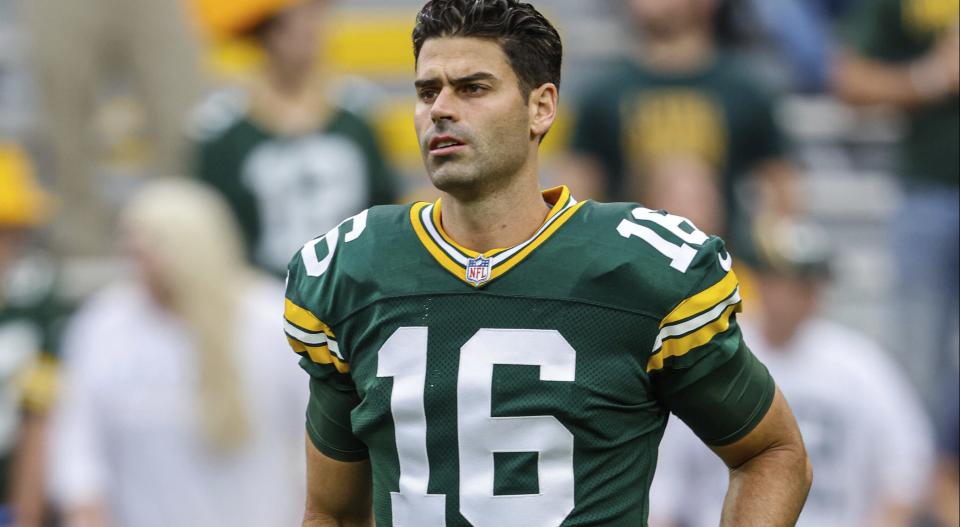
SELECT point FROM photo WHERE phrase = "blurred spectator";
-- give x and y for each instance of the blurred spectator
(175, 409)
(864, 428)
(290, 162)
(803, 30)
(906, 53)
(680, 124)
(77, 46)
(30, 309)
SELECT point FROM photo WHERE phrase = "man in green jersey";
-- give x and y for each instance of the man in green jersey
(507, 356)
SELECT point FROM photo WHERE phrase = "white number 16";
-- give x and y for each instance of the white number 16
(404, 358)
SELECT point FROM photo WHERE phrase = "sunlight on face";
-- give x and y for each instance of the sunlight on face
(472, 121)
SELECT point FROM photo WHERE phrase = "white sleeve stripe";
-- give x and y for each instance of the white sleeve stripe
(697, 322)
(312, 339)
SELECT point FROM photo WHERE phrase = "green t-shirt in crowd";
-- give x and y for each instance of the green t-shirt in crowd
(633, 116)
(528, 385)
(900, 31)
(286, 189)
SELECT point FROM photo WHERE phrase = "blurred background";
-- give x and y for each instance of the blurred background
(818, 137)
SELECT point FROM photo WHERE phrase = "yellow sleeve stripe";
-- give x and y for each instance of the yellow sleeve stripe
(319, 354)
(703, 300)
(680, 346)
(302, 318)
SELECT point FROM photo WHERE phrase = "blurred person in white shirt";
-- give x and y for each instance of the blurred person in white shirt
(175, 411)
(865, 430)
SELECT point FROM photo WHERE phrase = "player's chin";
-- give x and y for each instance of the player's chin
(453, 177)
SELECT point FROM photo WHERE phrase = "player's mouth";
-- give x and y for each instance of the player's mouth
(444, 145)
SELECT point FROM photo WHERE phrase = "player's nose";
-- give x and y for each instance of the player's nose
(444, 106)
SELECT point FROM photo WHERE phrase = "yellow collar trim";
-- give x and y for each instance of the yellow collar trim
(455, 258)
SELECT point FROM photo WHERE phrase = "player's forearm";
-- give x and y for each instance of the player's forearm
(769, 489)
(339, 494)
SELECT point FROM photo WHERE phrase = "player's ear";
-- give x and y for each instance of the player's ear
(542, 105)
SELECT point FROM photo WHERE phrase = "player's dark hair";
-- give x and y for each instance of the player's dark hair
(530, 42)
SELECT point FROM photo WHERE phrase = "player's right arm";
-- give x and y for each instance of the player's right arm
(339, 493)
(770, 473)
(703, 372)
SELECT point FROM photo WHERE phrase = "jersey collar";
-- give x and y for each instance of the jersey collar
(478, 269)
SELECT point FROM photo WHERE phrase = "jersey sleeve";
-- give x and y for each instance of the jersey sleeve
(333, 393)
(700, 367)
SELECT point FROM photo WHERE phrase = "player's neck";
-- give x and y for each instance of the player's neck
(677, 54)
(504, 217)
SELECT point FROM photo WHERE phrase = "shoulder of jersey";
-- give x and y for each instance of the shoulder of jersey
(344, 268)
(217, 114)
(651, 260)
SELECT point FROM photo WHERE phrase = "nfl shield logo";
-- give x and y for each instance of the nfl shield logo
(478, 270)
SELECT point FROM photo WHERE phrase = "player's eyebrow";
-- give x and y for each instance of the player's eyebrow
(473, 77)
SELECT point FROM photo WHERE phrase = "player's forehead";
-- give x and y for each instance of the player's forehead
(458, 57)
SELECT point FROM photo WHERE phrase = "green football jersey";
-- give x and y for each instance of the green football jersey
(526, 386)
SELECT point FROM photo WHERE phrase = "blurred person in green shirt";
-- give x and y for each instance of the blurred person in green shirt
(680, 123)
(290, 161)
(906, 54)
(30, 311)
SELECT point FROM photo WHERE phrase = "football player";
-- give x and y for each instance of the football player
(508, 356)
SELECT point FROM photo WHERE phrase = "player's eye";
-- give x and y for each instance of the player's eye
(427, 94)
(473, 89)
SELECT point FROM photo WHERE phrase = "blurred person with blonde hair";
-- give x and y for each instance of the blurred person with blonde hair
(31, 308)
(290, 161)
(175, 410)
(867, 435)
